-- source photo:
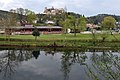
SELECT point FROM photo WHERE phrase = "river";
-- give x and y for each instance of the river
(59, 64)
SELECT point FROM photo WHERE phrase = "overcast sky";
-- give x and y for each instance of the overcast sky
(86, 7)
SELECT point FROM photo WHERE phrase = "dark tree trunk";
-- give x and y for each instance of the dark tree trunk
(35, 38)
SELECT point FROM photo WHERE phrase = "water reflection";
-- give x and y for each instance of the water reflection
(65, 64)
(106, 64)
(8, 63)
(70, 58)
(36, 53)
(10, 60)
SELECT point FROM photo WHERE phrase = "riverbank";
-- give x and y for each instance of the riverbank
(61, 44)
(57, 40)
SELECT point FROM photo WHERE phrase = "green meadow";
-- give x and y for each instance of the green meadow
(63, 40)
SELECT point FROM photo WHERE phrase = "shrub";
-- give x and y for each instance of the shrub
(36, 33)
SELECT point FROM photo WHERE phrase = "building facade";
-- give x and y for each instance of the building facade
(53, 11)
(29, 29)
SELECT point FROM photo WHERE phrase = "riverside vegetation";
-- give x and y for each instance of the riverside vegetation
(62, 40)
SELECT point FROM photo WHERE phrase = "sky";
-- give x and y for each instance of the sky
(84, 7)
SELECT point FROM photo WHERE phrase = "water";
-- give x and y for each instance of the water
(66, 64)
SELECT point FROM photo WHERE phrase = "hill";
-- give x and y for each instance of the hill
(42, 18)
(98, 18)
(4, 14)
(7, 14)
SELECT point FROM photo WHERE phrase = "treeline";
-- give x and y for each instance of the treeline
(7, 14)
(41, 18)
(57, 19)
(98, 18)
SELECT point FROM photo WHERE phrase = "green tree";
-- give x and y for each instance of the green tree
(66, 25)
(31, 17)
(108, 23)
(36, 33)
(76, 24)
(69, 22)
(27, 11)
(72, 21)
(81, 23)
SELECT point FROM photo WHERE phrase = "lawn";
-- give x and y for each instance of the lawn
(61, 40)
(62, 37)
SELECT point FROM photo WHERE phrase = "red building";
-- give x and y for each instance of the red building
(29, 30)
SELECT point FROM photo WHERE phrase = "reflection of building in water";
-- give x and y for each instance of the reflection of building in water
(53, 11)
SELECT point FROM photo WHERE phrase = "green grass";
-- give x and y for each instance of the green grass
(63, 36)
(60, 40)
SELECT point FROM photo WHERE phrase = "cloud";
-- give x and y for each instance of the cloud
(4, 3)
(87, 7)
(10, 4)
(58, 3)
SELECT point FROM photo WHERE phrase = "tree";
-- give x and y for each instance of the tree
(108, 23)
(66, 25)
(77, 24)
(31, 16)
(20, 11)
(81, 23)
(69, 22)
(26, 14)
(7, 23)
(36, 33)
(13, 19)
(27, 11)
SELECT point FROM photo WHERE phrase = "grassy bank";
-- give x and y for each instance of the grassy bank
(61, 40)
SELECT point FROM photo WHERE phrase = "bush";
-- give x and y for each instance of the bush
(36, 33)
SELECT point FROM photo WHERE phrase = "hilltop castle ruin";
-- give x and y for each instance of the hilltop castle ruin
(53, 11)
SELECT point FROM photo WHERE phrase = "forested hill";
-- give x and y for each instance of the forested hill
(98, 18)
(93, 19)
(7, 14)
(4, 14)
